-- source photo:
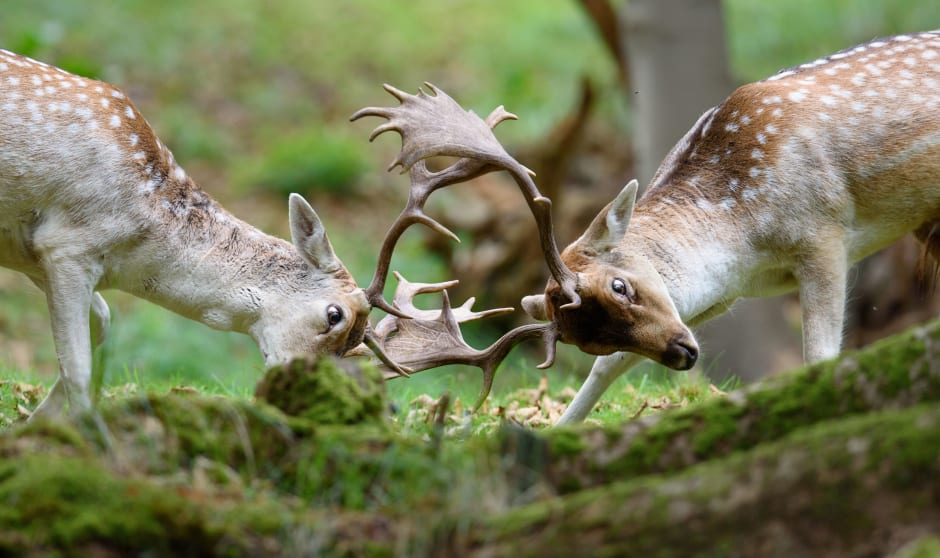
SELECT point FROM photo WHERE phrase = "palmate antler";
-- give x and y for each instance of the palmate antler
(435, 125)
(433, 338)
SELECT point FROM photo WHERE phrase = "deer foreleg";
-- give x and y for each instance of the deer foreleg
(70, 296)
(822, 302)
(606, 369)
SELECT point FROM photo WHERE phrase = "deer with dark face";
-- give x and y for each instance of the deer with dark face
(781, 187)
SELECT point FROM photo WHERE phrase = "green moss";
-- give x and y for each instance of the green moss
(565, 441)
(893, 372)
(925, 547)
(326, 391)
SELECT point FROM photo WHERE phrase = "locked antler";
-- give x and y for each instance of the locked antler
(435, 125)
(433, 338)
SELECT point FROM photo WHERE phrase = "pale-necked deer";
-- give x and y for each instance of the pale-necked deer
(782, 186)
(91, 199)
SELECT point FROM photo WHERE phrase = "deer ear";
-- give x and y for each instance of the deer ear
(534, 305)
(309, 236)
(610, 226)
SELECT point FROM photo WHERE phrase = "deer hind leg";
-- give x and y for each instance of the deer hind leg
(822, 278)
(606, 369)
(927, 267)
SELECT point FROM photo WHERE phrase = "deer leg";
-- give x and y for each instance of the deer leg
(606, 369)
(822, 302)
(70, 297)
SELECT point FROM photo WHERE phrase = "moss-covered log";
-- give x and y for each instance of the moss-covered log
(864, 486)
(894, 373)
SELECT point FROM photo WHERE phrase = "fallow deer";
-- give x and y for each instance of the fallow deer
(91, 199)
(781, 187)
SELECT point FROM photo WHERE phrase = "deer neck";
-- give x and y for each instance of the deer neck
(701, 262)
(199, 261)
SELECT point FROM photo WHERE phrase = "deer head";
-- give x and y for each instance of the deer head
(291, 323)
(625, 305)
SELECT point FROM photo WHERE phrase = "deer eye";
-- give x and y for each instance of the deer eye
(333, 315)
(620, 287)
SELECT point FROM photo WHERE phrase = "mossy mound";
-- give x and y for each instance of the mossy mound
(326, 391)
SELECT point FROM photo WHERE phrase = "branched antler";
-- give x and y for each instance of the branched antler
(435, 125)
(433, 338)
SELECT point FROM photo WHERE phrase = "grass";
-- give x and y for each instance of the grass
(242, 90)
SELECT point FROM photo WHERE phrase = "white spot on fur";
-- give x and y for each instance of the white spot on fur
(114, 121)
(928, 54)
(12, 80)
(134, 140)
(3, 67)
(129, 113)
(771, 129)
(754, 172)
(714, 159)
(824, 116)
(179, 173)
(731, 127)
(772, 100)
(749, 194)
(859, 79)
(777, 112)
(703, 204)
(84, 112)
(140, 155)
(761, 138)
(797, 96)
(757, 154)
(117, 94)
(829, 101)
(858, 106)
(727, 203)
(105, 102)
(733, 184)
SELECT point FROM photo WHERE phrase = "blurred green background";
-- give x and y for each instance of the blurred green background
(254, 99)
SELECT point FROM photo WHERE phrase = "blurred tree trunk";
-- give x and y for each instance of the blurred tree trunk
(678, 68)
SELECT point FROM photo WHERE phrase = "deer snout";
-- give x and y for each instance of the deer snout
(681, 352)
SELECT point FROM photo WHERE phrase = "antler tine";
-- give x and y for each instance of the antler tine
(431, 339)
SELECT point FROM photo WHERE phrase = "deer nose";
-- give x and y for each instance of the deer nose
(682, 352)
